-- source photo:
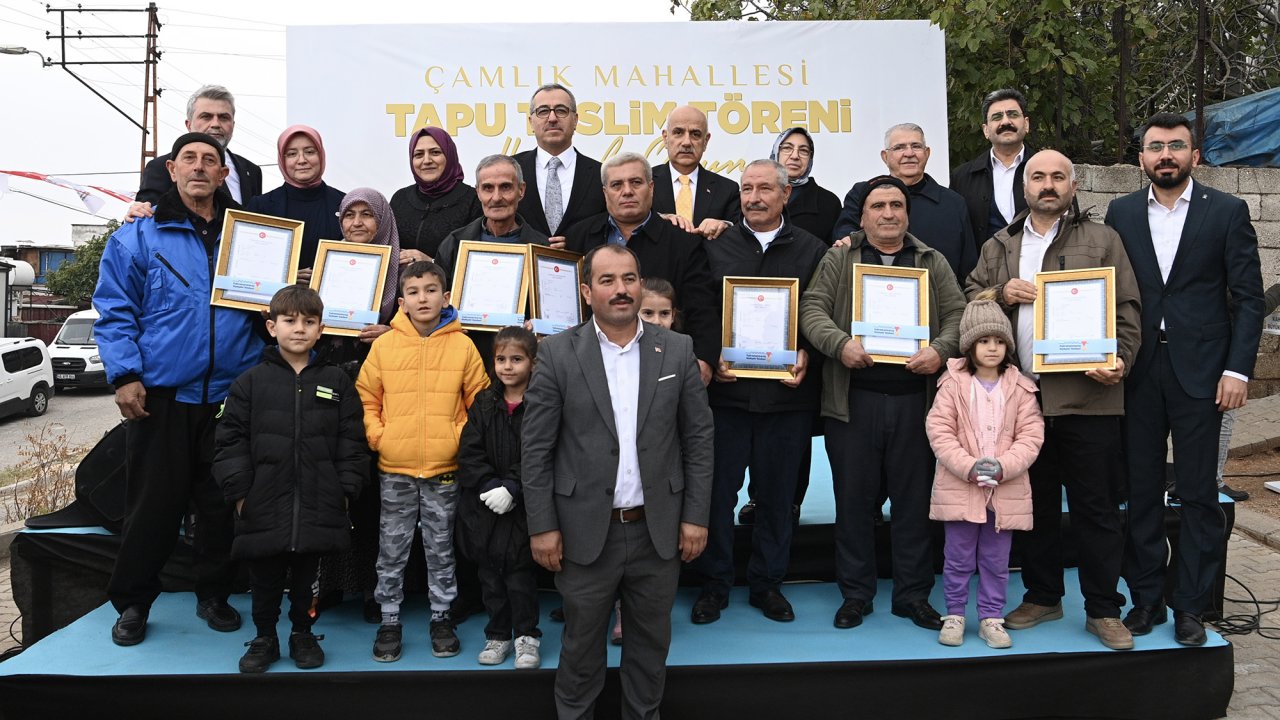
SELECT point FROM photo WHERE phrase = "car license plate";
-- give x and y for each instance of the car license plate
(65, 376)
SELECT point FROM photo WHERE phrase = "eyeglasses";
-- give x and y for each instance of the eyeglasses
(998, 116)
(542, 111)
(1158, 147)
(788, 149)
(309, 152)
(903, 147)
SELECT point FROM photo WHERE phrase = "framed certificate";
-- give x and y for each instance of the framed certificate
(491, 284)
(257, 255)
(556, 302)
(759, 333)
(890, 311)
(350, 278)
(1075, 326)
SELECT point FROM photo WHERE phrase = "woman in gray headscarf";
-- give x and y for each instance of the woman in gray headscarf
(811, 207)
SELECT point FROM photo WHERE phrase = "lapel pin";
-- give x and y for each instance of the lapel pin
(657, 348)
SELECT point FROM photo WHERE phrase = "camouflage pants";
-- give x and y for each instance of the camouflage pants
(430, 505)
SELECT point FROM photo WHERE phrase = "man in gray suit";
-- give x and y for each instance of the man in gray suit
(617, 472)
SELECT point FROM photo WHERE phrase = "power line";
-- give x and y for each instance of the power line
(221, 27)
(223, 17)
(55, 202)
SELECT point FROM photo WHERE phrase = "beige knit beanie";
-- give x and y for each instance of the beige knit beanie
(982, 318)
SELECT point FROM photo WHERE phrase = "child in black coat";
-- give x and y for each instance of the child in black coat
(290, 454)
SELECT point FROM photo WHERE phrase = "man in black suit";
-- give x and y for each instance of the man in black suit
(563, 183)
(1195, 256)
(706, 203)
(991, 183)
(211, 110)
(665, 251)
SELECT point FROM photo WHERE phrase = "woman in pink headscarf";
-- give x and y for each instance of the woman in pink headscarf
(438, 202)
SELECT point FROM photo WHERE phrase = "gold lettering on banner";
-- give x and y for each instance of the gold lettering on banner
(434, 84)
(491, 80)
(607, 77)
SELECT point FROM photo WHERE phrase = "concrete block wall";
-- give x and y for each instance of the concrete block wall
(1258, 187)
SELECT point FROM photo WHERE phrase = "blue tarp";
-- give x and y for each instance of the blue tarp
(1243, 131)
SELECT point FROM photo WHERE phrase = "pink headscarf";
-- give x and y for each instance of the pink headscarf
(452, 174)
(284, 139)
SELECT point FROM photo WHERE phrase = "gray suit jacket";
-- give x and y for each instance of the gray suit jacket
(570, 445)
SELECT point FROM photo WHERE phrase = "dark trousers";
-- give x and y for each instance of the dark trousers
(884, 438)
(628, 566)
(772, 445)
(168, 458)
(1156, 405)
(511, 599)
(1082, 454)
(267, 580)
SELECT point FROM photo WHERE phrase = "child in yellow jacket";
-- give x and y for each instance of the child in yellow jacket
(416, 386)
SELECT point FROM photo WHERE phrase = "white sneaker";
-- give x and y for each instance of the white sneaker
(992, 630)
(527, 657)
(494, 652)
(952, 632)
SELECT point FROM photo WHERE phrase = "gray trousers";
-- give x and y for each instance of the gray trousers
(629, 567)
(430, 505)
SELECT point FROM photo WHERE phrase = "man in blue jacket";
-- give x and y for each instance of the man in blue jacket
(172, 358)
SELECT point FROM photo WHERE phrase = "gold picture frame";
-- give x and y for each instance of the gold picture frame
(491, 284)
(752, 308)
(545, 267)
(1075, 297)
(891, 327)
(353, 274)
(252, 264)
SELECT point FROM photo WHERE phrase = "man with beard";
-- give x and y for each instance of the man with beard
(1196, 258)
(1083, 410)
(991, 183)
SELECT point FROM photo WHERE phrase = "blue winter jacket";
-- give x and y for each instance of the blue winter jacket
(155, 323)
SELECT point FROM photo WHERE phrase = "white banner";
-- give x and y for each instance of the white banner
(367, 88)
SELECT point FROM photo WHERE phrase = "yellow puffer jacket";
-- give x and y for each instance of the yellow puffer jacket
(416, 391)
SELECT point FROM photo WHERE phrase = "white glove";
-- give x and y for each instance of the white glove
(498, 500)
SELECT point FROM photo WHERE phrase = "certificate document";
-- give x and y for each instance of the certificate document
(557, 287)
(349, 287)
(257, 262)
(890, 320)
(758, 338)
(761, 318)
(492, 287)
(1075, 317)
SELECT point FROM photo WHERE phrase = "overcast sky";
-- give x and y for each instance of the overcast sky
(52, 124)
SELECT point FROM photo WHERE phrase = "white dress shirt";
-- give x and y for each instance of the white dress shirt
(622, 368)
(1002, 183)
(1031, 262)
(568, 161)
(233, 178)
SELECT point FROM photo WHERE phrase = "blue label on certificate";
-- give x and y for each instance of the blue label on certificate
(1091, 346)
(759, 358)
(342, 317)
(881, 330)
(246, 285)
(549, 327)
(492, 319)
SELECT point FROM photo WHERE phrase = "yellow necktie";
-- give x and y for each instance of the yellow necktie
(684, 199)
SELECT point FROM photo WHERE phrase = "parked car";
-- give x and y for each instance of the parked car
(26, 376)
(76, 362)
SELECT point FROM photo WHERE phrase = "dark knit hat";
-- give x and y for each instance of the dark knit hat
(891, 181)
(195, 137)
(982, 318)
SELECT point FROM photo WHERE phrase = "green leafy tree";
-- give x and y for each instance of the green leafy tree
(76, 279)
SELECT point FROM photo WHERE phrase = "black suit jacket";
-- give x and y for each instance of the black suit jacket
(680, 258)
(973, 181)
(156, 181)
(1217, 253)
(716, 196)
(586, 197)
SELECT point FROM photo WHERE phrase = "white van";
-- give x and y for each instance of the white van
(76, 362)
(26, 376)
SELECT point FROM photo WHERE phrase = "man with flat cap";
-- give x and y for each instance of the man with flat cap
(172, 358)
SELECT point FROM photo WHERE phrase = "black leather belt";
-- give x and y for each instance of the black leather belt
(1162, 336)
(627, 515)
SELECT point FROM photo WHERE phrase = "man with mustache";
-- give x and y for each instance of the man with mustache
(616, 468)
(875, 412)
(1083, 410)
(1196, 258)
(500, 187)
(939, 217)
(172, 358)
(665, 251)
(701, 201)
(991, 184)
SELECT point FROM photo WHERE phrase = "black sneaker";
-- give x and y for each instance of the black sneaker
(220, 616)
(386, 647)
(444, 641)
(263, 650)
(1235, 495)
(305, 650)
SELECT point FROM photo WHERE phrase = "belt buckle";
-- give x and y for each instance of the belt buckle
(622, 515)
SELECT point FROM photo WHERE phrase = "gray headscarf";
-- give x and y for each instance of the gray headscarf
(795, 182)
(385, 235)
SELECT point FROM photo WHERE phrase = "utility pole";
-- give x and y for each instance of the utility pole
(151, 91)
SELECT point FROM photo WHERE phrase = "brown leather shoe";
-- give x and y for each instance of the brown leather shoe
(1111, 632)
(1029, 615)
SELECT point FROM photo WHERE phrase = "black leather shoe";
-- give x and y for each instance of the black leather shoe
(131, 627)
(1188, 628)
(1234, 494)
(1142, 618)
(747, 515)
(921, 613)
(774, 605)
(706, 609)
(851, 613)
(220, 616)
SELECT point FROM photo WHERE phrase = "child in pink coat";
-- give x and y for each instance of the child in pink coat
(986, 430)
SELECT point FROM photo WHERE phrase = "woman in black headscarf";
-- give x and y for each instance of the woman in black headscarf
(811, 207)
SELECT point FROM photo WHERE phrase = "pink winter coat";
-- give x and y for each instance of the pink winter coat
(955, 443)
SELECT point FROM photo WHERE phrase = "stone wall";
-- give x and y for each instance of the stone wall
(1258, 187)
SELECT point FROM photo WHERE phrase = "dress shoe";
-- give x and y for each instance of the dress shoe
(1234, 494)
(921, 613)
(1111, 632)
(706, 609)
(220, 616)
(774, 605)
(131, 627)
(851, 613)
(1028, 615)
(1142, 618)
(1188, 628)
